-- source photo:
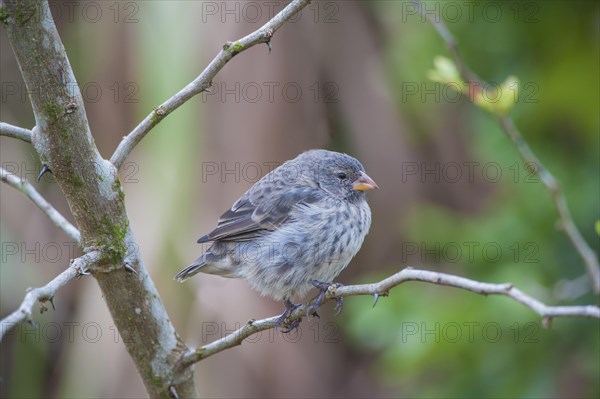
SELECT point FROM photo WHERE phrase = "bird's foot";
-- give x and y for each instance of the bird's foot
(324, 288)
(284, 320)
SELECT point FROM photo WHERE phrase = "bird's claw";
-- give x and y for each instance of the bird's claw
(324, 288)
(339, 306)
(284, 320)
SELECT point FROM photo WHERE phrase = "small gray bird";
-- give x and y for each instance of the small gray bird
(297, 227)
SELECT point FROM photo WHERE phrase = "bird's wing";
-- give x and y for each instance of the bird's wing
(252, 215)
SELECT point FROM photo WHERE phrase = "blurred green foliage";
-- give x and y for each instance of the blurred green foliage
(439, 342)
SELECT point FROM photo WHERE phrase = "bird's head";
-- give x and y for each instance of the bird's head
(340, 175)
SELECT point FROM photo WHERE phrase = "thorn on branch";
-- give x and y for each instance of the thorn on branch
(129, 268)
(547, 322)
(45, 169)
(269, 36)
(378, 295)
(173, 392)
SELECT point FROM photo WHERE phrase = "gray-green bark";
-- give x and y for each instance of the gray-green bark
(91, 186)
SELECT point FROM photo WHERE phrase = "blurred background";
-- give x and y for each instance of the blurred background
(349, 76)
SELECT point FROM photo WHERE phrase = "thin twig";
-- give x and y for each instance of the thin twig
(468, 75)
(587, 254)
(46, 293)
(15, 132)
(381, 289)
(590, 258)
(31, 193)
(204, 80)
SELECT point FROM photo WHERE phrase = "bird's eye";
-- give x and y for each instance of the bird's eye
(342, 176)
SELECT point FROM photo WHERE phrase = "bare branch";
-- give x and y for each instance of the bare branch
(237, 337)
(451, 43)
(15, 132)
(46, 293)
(382, 288)
(204, 80)
(35, 197)
(589, 256)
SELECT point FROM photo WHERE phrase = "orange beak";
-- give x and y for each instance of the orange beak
(364, 183)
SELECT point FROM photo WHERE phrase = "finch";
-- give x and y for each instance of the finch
(297, 227)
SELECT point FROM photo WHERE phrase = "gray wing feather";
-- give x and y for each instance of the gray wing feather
(249, 219)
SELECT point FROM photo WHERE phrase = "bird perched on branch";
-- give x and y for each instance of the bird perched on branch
(297, 227)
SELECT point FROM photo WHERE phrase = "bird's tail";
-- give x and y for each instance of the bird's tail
(190, 270)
